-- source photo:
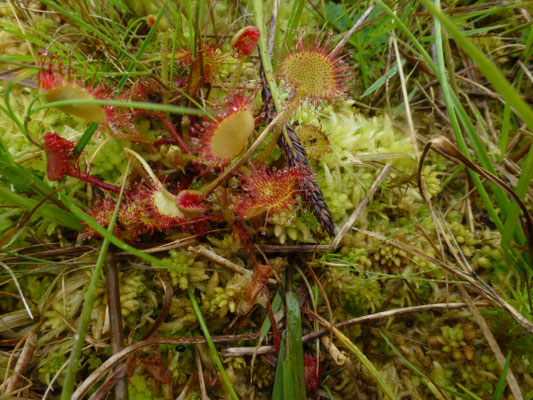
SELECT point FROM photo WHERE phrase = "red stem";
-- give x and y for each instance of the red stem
(275, 333)
(172, 129)
(94, 181)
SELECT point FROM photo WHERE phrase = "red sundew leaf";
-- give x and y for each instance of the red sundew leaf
(101, 212)
(312, 70)
(190, 203)
(244, 41)
(60, 160)
(269, 191)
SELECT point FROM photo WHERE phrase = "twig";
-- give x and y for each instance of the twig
(248, 351)
(352, 30)
(112, 361)
(214, 257)
(333, 350)
(200, 373)
(26, 356)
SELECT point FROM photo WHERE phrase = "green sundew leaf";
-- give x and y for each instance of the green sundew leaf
(338, 17)
(381, 80)
(211, 345)
(54, 214)
(501, 382)
(293, 372)
(277, 390)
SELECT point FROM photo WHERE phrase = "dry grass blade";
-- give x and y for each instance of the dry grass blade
(511, 380)
(25, 357)
(16, 282)
(248, 351)
(114, 360)
(474, 280)
(446, 148)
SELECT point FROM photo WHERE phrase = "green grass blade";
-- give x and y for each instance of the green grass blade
(83, 24)
(501, 382)
(211, 345)
(512, 222)
(265, 57)
(91, 129)
(156, 262)
(493, 75)
(277, 389)
(294, 20)
(293, 371)
(382, 79)
(83, 325)
(417, 371)
(352, 347)
(471, 394)
(121, 103)
(276, 303)
(503, 139)
(54, 214)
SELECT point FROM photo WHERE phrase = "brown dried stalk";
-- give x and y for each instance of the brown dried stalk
(112, 361)
(249, 351)
(115, 318)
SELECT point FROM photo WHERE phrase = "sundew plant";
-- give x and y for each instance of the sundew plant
(296, 199)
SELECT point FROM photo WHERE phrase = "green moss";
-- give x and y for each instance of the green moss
(138, 389)
(359, 295)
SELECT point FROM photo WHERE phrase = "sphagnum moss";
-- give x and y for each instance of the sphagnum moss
(179, 155)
